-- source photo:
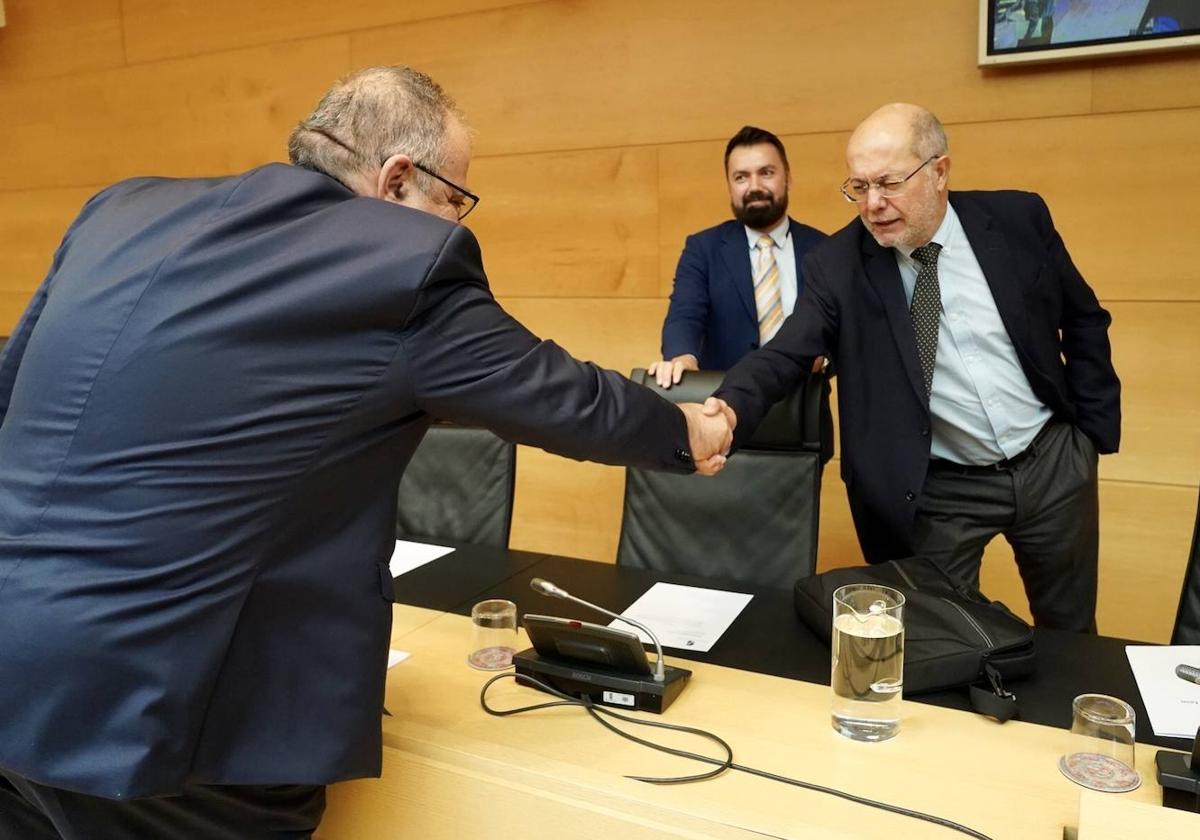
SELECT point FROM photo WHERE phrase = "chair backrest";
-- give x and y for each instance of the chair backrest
(756, 521)
(1187, 617)
(458, 487)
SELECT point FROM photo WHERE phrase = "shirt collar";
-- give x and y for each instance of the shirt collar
(779, 233)
(946, 235)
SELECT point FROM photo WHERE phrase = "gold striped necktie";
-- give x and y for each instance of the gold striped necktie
(767, 298)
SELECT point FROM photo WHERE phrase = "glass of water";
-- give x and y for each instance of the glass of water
(868, 661)
(1099, 751)
(493, 635)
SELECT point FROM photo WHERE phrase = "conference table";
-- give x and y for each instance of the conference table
(451, 770)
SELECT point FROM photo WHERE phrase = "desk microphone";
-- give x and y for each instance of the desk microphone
(545, 587)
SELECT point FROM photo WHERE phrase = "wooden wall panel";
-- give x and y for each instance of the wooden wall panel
(55, 37)
(569, 224)
(673, 71)
(567, 507)
(158, 29)
(1147, 83)
(31, 226)
(1145, 535)
(210, 115)
(1110, 195)
(1155, 351)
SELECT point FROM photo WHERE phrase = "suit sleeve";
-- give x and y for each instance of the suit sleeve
(686, 324)
(770, 373)
(473, 364)
(1092, 383)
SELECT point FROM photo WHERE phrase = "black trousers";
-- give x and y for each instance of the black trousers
(29, 811)
(1045, 506)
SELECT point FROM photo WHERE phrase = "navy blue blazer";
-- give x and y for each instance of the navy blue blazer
(854, 311)
(712, 313)
(204, 415)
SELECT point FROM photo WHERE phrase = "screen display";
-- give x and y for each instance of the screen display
(1035, 29)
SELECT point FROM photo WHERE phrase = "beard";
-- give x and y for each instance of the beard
(760, 216)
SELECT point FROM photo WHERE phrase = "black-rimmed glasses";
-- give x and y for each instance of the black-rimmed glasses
(462, 208)
(469, 199)
(855, 190)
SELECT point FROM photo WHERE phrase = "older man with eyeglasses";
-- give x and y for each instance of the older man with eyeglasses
(204, 415)
(976, 385)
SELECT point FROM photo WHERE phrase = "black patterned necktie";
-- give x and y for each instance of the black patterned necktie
(926, 308)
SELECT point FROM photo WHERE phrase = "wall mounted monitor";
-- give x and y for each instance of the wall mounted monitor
(1024, 31)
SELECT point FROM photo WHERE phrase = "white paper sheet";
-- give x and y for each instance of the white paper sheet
(409, 555)
(395, 657)
(687, 617)
(1172, 703)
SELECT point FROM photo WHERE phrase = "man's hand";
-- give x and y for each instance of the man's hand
(667, 373)
(714, 407)
(709, 437)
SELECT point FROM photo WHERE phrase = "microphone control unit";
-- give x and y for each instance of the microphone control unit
(601, 685)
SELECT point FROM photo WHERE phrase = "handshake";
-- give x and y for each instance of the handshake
(710, 433)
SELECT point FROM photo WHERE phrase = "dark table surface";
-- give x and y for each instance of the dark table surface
(767, 637)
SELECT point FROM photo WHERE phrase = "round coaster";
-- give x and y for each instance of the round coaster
(1099, 772)
(491, 659)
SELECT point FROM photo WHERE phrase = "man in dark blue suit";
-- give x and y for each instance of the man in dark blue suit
(204, 415)
(976, 385)
(737, 282)
(714, 317)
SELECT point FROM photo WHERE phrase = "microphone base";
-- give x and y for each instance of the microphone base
(1180, 783)
(603, 687)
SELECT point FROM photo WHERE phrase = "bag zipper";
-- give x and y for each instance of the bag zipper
(972, 621)
(900, 571)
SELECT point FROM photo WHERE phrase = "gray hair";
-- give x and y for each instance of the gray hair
(928, 136)
(371, 115)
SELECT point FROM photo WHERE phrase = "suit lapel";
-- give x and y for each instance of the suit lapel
(994, 255)
(735, 252)
(884, 277)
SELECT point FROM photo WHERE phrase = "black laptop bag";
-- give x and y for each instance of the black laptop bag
(954, 636)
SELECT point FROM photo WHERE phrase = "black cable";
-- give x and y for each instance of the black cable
(597, 712)
(727, 763)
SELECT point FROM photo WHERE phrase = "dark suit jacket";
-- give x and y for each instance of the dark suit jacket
(712, 313)
(854, 310)
(204, 415)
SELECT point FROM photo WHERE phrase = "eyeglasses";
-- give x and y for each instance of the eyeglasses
(855, 190)
(463, 202)
(466, 200)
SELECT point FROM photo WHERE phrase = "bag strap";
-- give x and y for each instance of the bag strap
(993, 699)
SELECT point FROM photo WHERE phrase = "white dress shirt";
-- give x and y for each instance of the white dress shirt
(983, 407)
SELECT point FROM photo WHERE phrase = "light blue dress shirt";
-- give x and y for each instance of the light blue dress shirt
(785, 258)
(982, 405)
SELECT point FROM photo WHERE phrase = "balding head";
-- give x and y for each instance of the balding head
(903, 124)
(894, 142)
(374, 114)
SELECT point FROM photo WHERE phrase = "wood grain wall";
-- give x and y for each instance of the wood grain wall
(600, 128)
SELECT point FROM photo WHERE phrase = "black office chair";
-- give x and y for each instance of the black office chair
(458, 488)
(1187, 617)
(755, 521)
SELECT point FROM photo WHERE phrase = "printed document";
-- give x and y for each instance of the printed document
(687, 617)
(1173, 703)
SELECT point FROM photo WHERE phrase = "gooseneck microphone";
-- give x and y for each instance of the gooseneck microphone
(545, 587)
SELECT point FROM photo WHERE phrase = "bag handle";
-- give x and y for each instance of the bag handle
(993, 700)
